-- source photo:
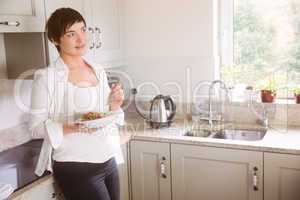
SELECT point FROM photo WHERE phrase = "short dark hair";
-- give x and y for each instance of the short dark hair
(59, 21)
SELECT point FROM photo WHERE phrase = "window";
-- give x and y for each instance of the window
(259, 42)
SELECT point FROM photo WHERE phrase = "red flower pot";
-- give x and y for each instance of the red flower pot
(267, 96)
(297, 98)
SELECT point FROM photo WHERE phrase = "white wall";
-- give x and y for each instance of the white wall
(164, 38)
(3, 71)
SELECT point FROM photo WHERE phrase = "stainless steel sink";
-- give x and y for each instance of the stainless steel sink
(231, 134)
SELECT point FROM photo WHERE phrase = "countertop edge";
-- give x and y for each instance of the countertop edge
(28, 187)
(218, 144)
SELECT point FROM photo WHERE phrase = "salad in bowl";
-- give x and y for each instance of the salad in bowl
(96, 119)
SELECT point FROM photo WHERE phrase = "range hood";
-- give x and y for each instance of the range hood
(25, 52)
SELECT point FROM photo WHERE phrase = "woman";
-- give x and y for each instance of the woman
(82, 159)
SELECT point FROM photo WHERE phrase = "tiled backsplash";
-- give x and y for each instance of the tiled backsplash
(278, 114)
(250, 113)
(14, 102)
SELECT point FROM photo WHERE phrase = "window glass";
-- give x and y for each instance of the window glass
(265, 44)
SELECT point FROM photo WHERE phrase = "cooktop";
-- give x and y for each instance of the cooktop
(17, 164)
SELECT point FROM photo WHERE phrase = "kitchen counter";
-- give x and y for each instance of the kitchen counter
(14, 136)
(277, 139)
(17, 164)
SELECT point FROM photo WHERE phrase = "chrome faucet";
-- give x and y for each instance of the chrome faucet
(211, 87)
(264, 121)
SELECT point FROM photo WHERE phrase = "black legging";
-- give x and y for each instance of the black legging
(88, 181)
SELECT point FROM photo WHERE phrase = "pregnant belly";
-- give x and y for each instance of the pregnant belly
(83, 147)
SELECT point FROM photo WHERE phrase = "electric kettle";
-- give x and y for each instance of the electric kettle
(162, 111)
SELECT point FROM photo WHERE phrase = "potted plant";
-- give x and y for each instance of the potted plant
(268, 92)
(297, 94)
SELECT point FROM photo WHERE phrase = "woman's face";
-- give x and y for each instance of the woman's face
(74, 42)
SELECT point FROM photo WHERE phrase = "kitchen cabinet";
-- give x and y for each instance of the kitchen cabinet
(102, 17)
(107, 36)
(123, 173)
(216, 173)
(281, 176)
(150, 170)
(197, 172)
(81, 6)
(22, 16)
(44, 188)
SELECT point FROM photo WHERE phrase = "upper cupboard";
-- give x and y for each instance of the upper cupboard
(102, 17)
(22, 16)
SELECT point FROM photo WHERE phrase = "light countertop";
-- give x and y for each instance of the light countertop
(277, 139)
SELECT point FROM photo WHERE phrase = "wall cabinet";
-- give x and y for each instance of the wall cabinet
(22, 16)
(102, 17)
(107, 37)
(281, 176)
(150, 170)
(81, 6)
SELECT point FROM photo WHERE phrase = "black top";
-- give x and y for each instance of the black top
(17, 165)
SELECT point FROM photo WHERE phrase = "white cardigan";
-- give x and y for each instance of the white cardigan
(46, 101)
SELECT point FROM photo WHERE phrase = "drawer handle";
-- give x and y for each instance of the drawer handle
(99, 45)
(97, 30)
(163, 168)
(255, 179)
(7, 23)
(91, 30)
(92, 46)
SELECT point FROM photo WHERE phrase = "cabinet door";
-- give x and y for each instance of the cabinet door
(29, 14)
(82, 6)
(123, 173)
(150, 170)
(107, 37)
(282, 176)
(215, 173)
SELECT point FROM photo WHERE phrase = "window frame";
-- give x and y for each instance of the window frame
(226, 40)
(226, 44)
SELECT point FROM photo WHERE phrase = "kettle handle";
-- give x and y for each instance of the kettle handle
(134, 92)
(173, 106)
